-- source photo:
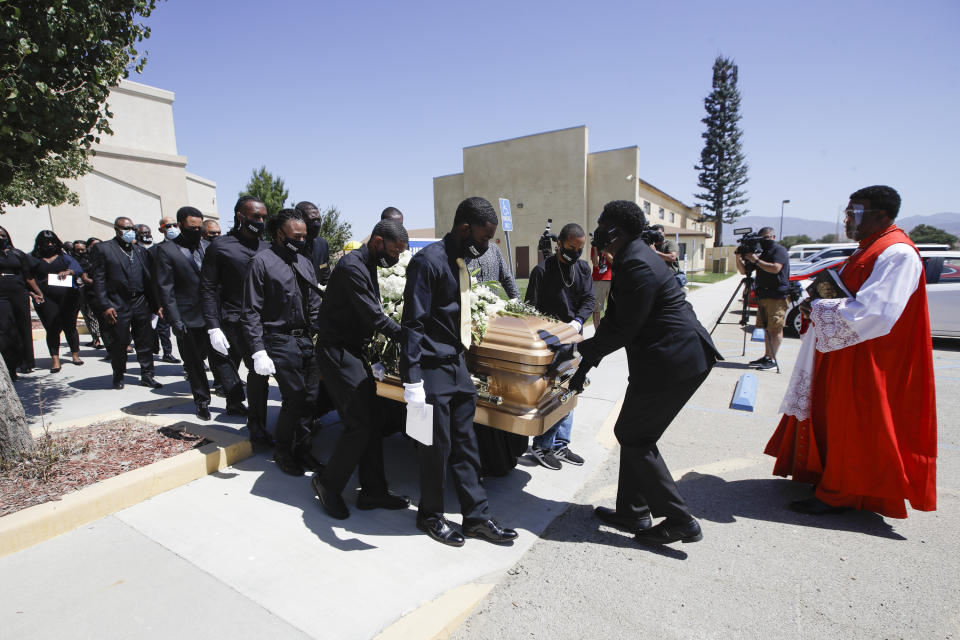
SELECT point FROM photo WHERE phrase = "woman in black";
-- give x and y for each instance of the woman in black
(90, 320)
(57, 273)
(16, 332)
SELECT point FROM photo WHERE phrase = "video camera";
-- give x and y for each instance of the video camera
(652, 237)
(545, 245)
(749, 243)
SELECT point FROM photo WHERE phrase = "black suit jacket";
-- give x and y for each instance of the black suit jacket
(648, 313)
(178, 283)
(110, 272)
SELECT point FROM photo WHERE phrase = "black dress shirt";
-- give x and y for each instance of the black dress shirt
(351, 311)
(431, 309)
(14, 272)
(563, 291)
(225, 264)
(318, 252)
(275, 298)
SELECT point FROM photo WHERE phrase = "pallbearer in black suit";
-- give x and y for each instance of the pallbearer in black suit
(124, 291)
(177, 272)
(349, 316)
(317, 249)
(224, 267)
(278, 316)
(669, 355)
(436, 332)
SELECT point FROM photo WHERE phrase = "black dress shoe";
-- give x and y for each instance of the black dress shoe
(169, 357)
(261, 438)
(440, 530)
(332, 502)
(667, 532)
(203, 411)
(815, 507)
(630, 524)
(287, 463)
(388, 500)
(236, 410)
(308, 461)
(55, 369)
(488, 530)
(118, 383)
(149, 381)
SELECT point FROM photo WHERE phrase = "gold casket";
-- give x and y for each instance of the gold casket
(509, 368)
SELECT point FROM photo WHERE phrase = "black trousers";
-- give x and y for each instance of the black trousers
(353, 391)
(451, 392)
(132, 318)
(645, 485)
(293, 359)
(10, 347)
(161, 338)
(59, 313)
(257, 385)
(90, 318)
(20, 305)
(193, 345)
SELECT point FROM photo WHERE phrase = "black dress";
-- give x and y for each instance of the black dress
(58, 312)
(16, 332)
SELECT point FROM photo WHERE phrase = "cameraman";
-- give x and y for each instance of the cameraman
(665, 248)
(772, 286)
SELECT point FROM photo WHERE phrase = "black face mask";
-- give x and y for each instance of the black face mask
(386, 260)
(256, 227)
(570, 255)
(145, 240)
(767, 243)
(604, 237)
(297, 246)
(4, 244)
(48, 250)
(313, 228)
(473, 249)
(191, 237)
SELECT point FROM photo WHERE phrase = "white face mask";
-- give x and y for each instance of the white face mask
(172, 233)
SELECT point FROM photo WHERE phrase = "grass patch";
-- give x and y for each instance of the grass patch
(708, 278)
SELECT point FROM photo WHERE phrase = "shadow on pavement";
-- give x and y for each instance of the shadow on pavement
(717, 500)
(44, 390)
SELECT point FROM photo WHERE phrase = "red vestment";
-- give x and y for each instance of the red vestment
(871, 439)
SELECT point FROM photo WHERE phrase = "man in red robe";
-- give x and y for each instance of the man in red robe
(860, 413)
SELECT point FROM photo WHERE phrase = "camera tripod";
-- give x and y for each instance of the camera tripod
(746, 283)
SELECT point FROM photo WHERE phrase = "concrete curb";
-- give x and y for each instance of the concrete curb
(41, 522)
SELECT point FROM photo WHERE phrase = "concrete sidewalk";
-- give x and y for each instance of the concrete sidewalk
(252, 549)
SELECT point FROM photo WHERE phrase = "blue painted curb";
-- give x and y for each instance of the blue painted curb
(745, 395)
(757, 335)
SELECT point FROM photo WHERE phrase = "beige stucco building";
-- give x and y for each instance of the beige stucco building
(554, 175)
(137, 173)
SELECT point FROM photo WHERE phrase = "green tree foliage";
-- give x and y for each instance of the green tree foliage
(789, 241)
(723, 168)
(58, 61)
(829, 238)
(337, 232)
(931, 234)
(271, 190)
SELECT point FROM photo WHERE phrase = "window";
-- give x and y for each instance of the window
(661, 213)
(646, 208)
(671, 216)
(951, 270)
(701, 251)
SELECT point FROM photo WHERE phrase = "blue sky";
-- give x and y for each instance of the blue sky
(361, 104)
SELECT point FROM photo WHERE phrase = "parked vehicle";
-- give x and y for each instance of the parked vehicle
(800, 252)
(941, 267)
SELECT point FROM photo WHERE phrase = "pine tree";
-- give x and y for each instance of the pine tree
(723, 168)
(271, 190)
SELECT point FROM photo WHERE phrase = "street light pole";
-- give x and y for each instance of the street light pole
(781, 218)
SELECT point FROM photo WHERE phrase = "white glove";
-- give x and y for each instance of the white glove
(262, 364)
(576, 324)
(513, 300)
(379, 371)
(218, 340)
(414, 395)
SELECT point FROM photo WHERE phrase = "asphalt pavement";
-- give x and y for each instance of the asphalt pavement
(761, 571)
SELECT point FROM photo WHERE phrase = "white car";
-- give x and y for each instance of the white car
(942, 269)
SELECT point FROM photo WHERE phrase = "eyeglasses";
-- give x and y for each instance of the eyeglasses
(213, 234)
(169, 225)
(855, 211)
(130, 228)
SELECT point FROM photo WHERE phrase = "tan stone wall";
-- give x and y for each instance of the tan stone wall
(611, 175)
(447, 194)
(545, 173)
